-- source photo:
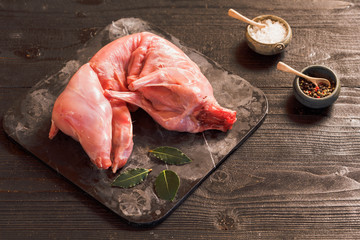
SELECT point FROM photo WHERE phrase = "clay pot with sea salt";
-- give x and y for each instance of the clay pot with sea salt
(271, 39)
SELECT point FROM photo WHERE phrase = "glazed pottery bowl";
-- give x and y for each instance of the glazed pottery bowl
(269, 48)
(321, 72)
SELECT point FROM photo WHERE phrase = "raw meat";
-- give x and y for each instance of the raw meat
(110, 64)
(171, 88)
(122, 133)
(141, 70)
(82, 112)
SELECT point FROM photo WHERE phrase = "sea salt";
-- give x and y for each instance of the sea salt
(273, 32)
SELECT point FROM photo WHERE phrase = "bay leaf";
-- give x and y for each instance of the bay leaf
(131, 178)
(170, 155)
(167, 184)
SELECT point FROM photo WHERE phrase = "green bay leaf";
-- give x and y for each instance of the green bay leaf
(131, 178)
(170, 155)
(167, 184)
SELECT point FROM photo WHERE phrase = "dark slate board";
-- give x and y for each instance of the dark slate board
(28, 123)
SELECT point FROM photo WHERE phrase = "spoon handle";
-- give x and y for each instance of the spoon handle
(286, 68)
(236, 15)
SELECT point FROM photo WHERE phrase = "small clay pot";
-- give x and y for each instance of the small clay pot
(269, 48)
(321, 72)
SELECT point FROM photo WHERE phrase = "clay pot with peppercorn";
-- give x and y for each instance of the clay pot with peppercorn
(320, 96)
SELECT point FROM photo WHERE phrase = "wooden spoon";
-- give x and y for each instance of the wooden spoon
(286, 68)
(235, 14)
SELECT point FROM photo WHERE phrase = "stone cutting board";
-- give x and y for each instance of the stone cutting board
(28, 123)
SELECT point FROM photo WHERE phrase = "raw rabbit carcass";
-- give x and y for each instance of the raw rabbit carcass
(141, 70)
(103, 127)
(170, 87)
(82, 112)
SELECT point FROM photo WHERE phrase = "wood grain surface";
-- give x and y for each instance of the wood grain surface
(296, 177)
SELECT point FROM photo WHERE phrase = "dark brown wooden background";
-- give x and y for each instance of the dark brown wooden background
(297, 177)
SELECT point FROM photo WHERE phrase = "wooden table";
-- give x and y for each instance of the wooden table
(296, 177)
